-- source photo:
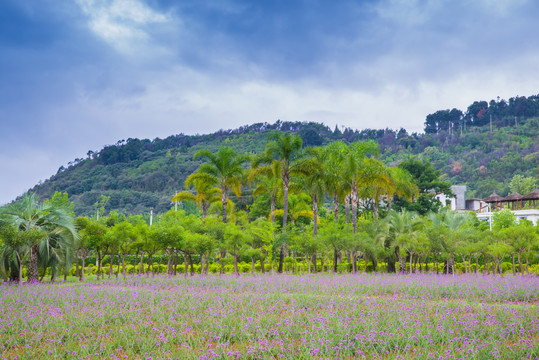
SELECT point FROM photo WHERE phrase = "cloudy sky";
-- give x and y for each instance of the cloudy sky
(76, 75)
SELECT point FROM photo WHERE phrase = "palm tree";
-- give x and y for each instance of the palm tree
(374, 181)
(335, 183)
(453, 224)
(402, 185)
(268, 181)
(353, 161)
(223, 169)
(315, 179)
(401, 233)
(47, 228)
(298, 207)
(284, 148)
(206, 193)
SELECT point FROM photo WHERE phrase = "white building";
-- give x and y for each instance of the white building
(486, 210)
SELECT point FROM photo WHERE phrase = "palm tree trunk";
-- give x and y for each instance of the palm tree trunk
(204, 211)
(262, 265)
(272, 204)
(375, 205)
(223, 200)
(519, 264)
(347, 208)
(354, 207)
(315, 215)
(33, 275)
(336, 207)
(402, 262)
(20, 267)
(286, 181)
(285, 216)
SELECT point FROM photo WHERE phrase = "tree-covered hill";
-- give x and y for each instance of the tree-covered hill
(141, 174)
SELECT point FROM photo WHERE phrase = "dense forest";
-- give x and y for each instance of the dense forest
(484, 148)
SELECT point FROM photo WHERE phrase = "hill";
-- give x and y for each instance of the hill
(141, 174)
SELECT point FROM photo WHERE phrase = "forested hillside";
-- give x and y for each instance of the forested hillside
(141, 174)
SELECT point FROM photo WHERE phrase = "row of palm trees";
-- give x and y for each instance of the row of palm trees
(345, 173)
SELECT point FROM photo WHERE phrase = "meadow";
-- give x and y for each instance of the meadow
(312, 316)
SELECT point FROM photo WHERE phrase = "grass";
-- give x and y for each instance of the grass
(348, 316)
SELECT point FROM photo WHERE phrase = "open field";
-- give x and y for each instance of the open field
(381, 316)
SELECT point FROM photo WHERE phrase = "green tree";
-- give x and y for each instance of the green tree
(315, 179)
(15, 248)
(353, 162)
(47, 228)
(522, 185)
(206, 193)
(503, 219)
(401, 233)
(285, 148)
(235, 239)
(267, 180)
(427, 179)
(91, 236)
(223, 169)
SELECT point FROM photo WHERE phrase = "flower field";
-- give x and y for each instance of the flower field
(362, 316)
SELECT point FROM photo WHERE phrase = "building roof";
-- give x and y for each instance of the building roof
(513, 197)
(534, 195)
(493, 198)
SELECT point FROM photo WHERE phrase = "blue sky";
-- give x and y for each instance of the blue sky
(80, 74)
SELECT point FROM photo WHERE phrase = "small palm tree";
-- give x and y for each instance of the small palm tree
(47, 228)
(205, 193)
(401, 232)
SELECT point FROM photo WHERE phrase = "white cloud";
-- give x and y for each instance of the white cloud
(121, 23)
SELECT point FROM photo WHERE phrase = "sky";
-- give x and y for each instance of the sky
(76, 75)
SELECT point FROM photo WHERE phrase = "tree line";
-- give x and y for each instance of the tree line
(498, 112)
(319, 207)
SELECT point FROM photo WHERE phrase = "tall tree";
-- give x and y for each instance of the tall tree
(353, 161)
(315, 179)
(223, 169)
(336, 184)
(267, 180)
(285, 148)
(427, 179)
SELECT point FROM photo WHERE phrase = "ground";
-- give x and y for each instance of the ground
(384, 316)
